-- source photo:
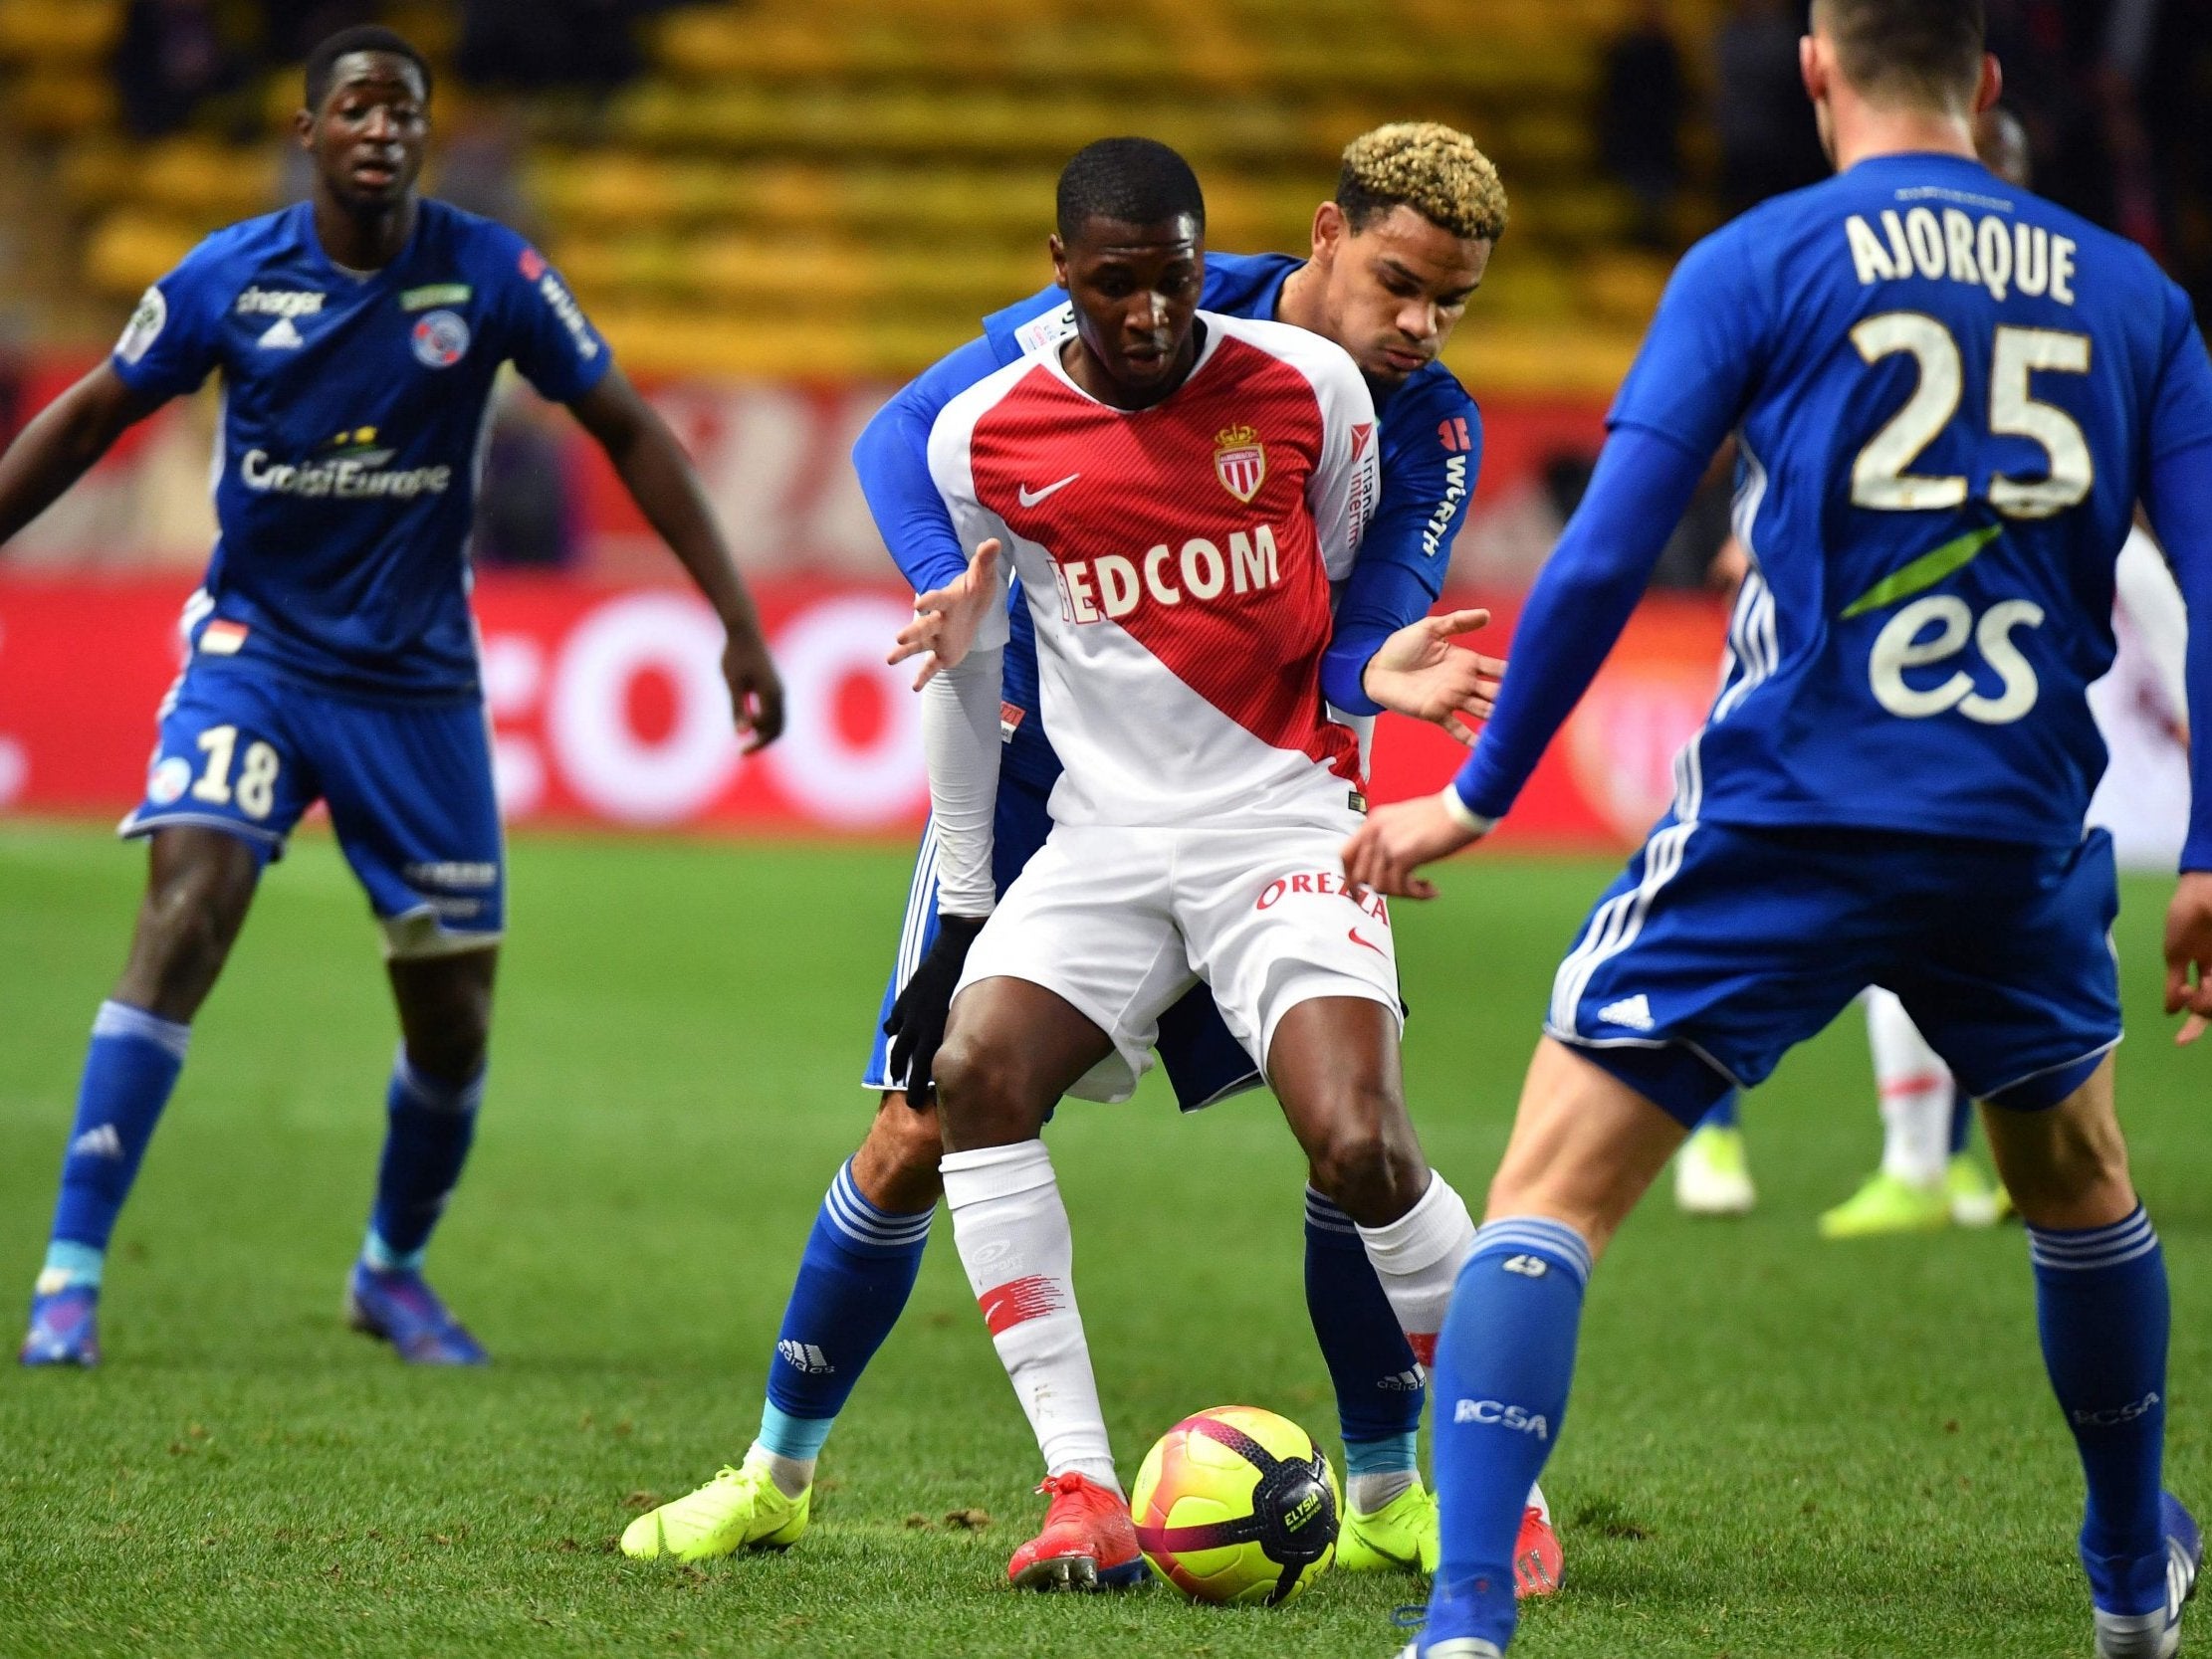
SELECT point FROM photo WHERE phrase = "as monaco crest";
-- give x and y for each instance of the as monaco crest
(1240, 460)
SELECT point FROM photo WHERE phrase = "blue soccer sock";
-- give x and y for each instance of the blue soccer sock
(1962, 1120)
(1503, 1366)
(429, 1124)
(131, 1066)
(1378, 1385)
(2100, 1306)
(853, 1282)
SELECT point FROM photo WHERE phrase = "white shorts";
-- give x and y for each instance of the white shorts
(1122, 922)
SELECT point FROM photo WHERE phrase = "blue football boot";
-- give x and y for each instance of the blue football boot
(64, 1327)
(405, 1312)
(2158, 1635)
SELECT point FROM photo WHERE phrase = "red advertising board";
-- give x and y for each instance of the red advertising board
(609, 709)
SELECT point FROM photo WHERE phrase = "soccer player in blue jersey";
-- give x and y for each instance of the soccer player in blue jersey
(1950, 396)
(1397, 255)
(331, 655)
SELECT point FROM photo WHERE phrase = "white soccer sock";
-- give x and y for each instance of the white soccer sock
(1418, 1257)
(1916, 1094)
(1011, 1231)
(791, 1475)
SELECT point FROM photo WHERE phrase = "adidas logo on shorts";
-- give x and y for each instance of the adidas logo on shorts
(1635, 1012)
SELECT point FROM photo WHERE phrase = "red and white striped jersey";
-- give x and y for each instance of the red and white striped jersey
(1178, 562)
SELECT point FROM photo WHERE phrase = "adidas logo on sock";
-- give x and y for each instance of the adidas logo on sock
(1404, 1382)
(102, 1142)
(1634, 1012)
(804, 1357)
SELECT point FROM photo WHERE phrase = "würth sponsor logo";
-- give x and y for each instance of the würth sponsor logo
(1324, 884)
(1110, 588)
(1018, 1301)
(1240, 460)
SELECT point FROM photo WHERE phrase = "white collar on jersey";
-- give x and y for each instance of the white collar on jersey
(1214, 334)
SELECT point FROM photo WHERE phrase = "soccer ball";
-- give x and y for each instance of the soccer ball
(1236, 1505)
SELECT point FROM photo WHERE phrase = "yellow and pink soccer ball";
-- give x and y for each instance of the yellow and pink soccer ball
(1237, 1505)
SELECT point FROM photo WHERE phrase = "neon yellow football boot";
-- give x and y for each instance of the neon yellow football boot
(1401, 1537)
(1886, 1203)
(1977, 1198)
(739, 1508)
(1712, 1174)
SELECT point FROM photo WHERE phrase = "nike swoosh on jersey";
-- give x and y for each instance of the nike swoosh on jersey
(1030, 498)
(1353, 933)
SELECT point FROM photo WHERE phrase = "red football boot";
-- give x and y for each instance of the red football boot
(1538, 1566)
(1088, 1541)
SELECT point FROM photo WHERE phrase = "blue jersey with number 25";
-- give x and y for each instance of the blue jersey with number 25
(1949, 394)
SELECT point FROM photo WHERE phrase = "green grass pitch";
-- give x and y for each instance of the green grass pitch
(1777, 1447)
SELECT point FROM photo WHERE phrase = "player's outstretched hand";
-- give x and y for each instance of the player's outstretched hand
(755, 689)
(2189, 953)
(1396, 841)
(917, 1023)
(945, 619)
(1417, 670)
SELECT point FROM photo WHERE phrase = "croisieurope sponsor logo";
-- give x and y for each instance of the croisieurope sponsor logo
(361, 477)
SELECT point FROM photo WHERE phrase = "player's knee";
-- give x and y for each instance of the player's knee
(981, 1088)
(1369, 1167)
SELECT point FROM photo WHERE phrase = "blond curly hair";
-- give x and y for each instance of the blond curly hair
(1435, 169)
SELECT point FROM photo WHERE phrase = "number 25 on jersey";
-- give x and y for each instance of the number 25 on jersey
(1881, 480)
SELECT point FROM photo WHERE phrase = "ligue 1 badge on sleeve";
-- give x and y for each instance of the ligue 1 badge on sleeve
(144, 326)
(441, 339)
(1240, 460)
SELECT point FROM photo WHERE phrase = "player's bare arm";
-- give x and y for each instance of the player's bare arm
(661, 480)
(64, 442)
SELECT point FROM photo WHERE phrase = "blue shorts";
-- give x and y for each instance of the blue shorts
(1202, 1060)
(409, 787)
(1720, 947)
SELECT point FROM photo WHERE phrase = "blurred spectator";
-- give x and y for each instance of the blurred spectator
(526, 511)
(1643, 97)
(172, 58)
(291, 28)
(536, 45)
(1692, 560)
(479, 160)
(1768, 143)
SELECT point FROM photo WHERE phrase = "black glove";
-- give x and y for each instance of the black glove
(917, 1023)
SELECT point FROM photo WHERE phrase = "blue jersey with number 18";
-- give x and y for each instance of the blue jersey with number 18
(1949, 394)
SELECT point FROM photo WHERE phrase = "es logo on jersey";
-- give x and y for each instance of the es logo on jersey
(441, 339)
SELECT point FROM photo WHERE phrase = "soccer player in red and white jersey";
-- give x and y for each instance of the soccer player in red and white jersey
(1176, 489)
